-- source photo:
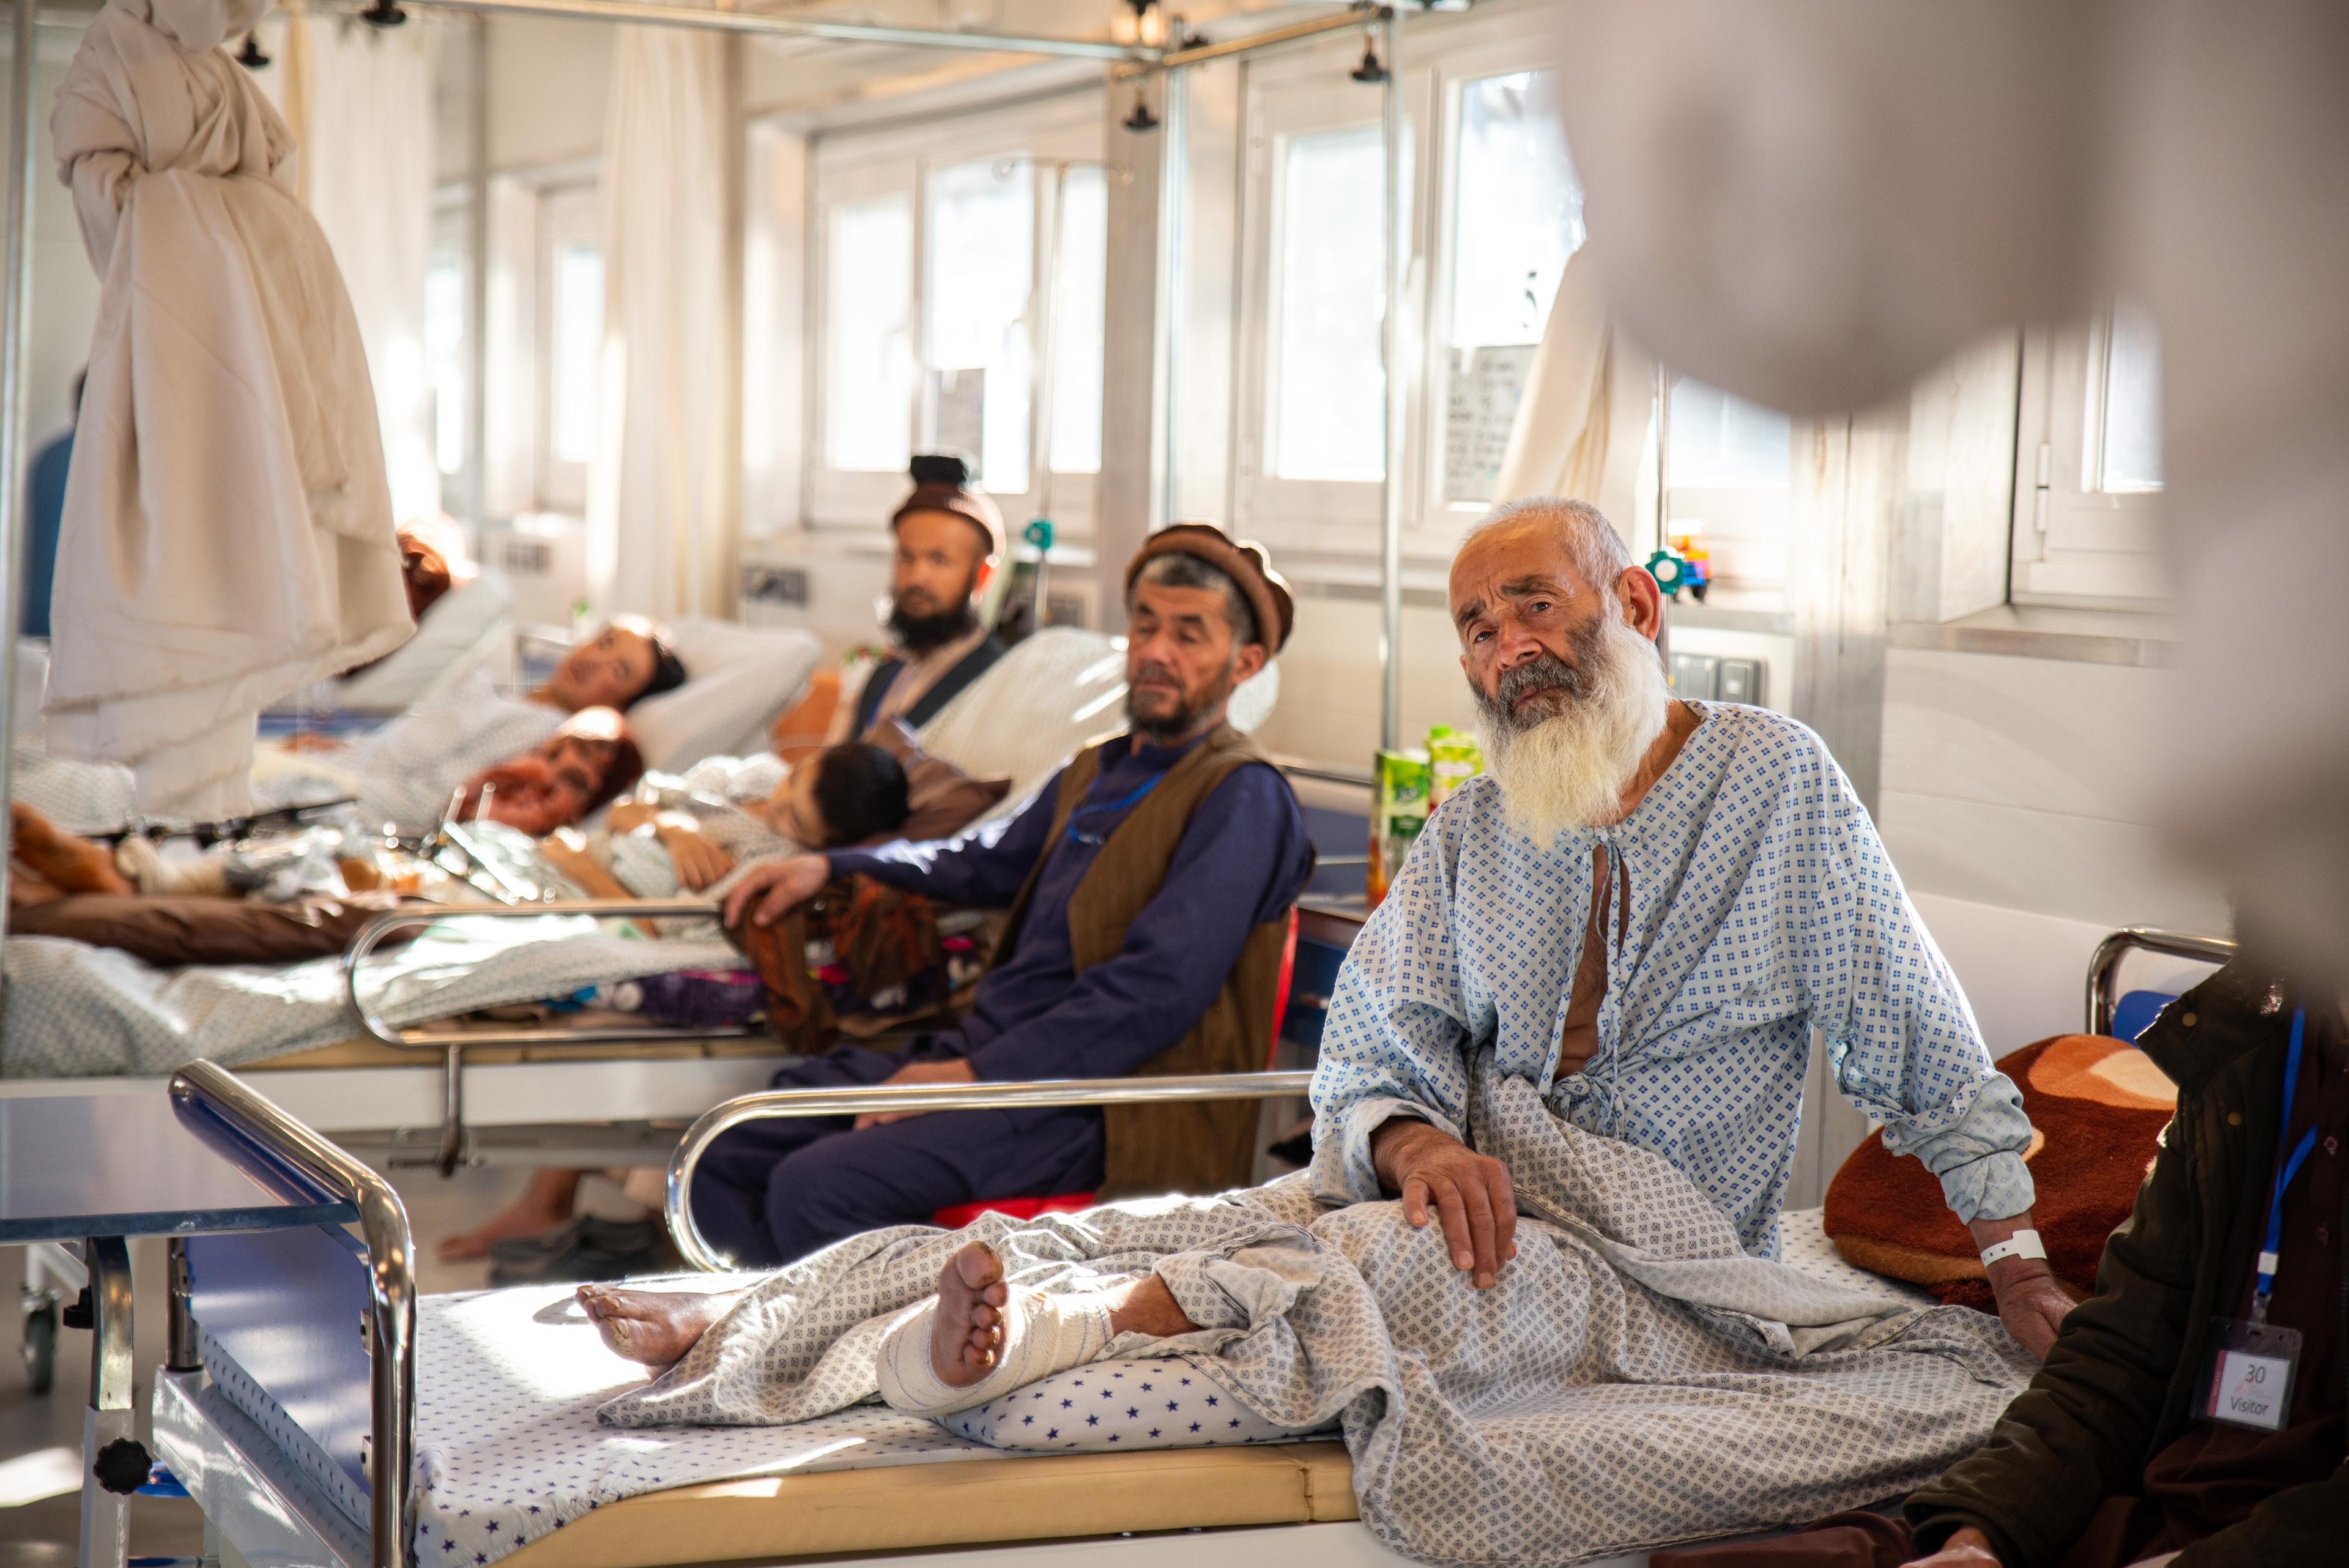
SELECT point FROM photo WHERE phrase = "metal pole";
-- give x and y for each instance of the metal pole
(109, 1419)
(391, 1292)
(1398, 238)
(476, 287)
(16, 353)
(1270, 37)
(795, 27)
(1173, 198)
(854, 1100)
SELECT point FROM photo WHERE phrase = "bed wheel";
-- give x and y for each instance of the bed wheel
(40, 1347)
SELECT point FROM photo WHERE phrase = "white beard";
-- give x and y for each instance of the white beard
(1570, 769)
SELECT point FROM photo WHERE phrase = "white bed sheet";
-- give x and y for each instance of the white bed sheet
(509, 1447)
(74, 1011)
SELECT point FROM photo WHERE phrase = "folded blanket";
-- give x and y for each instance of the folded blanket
(1634, 1378)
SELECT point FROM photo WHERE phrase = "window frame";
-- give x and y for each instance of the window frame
(858, 163)
(2072, 544)
(565, 211)
(1290, 94)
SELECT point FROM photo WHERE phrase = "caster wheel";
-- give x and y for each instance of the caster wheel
(40, 1348)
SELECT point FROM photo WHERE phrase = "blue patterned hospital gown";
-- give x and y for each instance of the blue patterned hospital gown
(1762, 905)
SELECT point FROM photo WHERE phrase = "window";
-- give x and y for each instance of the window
(871, 378)
(1079, 325)
(571, 340)
(1517, 218)
(448, 340)
(2088, 466)
(1329, 407)
(934, 330)
(1495, 214)
(1729, 472)
(979, 349)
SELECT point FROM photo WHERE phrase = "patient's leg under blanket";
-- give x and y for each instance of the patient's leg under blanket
(1633, 1379)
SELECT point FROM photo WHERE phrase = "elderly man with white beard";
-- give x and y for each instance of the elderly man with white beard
(1645, 906)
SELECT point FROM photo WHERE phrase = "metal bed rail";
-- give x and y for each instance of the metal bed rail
(453, 1045)
(2104, 965)
(856, 1101)
(391, 1286)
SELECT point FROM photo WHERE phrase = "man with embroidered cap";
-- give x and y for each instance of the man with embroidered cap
(1646, 906)
(1148, 887)
(946, 543)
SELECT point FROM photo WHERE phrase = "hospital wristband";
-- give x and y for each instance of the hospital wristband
(2022, 1245)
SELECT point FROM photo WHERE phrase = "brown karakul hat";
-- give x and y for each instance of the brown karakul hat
(1243, 560)
(942, 483)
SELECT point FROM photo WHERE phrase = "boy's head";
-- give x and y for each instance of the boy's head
(845, 794)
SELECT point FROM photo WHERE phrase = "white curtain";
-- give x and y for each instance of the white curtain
(360, 100)
(662, 493)
(1582, 425)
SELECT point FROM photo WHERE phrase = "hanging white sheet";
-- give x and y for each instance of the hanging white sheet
(1583, 421)
(661, 509)
(228, 534)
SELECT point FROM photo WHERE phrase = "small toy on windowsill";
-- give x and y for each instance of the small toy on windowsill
(1674, 571)
(1692, 549)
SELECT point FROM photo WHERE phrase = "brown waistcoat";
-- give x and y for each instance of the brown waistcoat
(1195, 1149)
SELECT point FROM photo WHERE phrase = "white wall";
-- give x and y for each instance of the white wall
(2017, 783)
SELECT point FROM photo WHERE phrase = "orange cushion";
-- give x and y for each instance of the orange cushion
(799, 731)
(2097, 1107)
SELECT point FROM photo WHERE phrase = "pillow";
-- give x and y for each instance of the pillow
(469, 626)
(2097, 1107)
(175, 930)
(944, 798)
(739, 680)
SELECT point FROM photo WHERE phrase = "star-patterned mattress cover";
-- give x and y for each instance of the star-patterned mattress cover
(509, 1446)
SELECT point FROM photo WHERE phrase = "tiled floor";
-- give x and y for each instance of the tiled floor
(42, 1533)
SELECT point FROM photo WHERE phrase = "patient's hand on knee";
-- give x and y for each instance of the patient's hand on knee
(654, 1328)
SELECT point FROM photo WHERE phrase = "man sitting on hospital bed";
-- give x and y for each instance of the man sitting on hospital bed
(1721, 893)
(1646, 907)
(947, 540)
(1148, 885)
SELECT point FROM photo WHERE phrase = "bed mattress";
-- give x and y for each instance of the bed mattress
(513, 1464)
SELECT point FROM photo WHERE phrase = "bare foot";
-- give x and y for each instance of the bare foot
(655, 1327)
(545, 1203)
(63, 861)
(968, 1329)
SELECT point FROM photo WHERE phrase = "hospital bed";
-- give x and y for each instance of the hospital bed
(266, 1434)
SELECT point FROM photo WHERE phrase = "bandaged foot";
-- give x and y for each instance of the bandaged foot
(978, 1338)
(138, 859)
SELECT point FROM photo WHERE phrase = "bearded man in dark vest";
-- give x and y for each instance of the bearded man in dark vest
(1148, 886)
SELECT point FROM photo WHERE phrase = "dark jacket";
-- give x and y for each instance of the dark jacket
(2118, 1386)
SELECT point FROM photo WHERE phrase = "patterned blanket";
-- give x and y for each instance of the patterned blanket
(1634, 1379)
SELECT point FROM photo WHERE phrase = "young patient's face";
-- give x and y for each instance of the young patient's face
(791, 810)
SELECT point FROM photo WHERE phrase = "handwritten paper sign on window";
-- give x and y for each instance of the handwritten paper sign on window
(1487, 385)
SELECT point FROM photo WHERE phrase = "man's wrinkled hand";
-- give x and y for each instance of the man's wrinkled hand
(1471, 1193)
(1968, 1548)
(777, 887)
(2031, 1302)
(956, 1071)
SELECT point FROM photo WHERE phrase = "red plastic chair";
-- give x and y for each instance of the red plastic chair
(961, 1214)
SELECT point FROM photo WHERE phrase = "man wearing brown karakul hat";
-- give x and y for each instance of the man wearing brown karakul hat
(1149, 885)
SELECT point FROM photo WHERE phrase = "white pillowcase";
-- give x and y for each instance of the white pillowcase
(739, 682)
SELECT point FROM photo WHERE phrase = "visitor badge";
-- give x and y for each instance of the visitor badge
(2249, 1381)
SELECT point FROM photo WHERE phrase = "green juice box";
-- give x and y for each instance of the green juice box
(1397, 811)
